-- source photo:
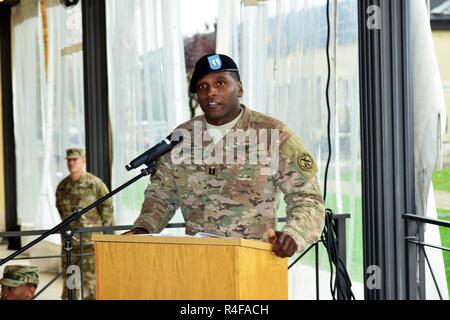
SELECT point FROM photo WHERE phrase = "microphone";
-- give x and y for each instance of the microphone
(154, 153)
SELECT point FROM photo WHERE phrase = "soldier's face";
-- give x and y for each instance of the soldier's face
(218, 95)
(23, 292)
(75, 165)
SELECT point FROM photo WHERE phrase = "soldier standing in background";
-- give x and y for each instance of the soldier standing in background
(19, 282)
(236, 200)
(79, 190)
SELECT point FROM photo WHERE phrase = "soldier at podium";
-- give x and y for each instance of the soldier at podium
(235, 199)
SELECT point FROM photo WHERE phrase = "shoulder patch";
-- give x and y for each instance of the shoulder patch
(294, 150)
(262, 121)
(305, 162)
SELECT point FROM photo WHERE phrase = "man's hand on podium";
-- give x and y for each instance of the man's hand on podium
(283, 244)
(135, 231)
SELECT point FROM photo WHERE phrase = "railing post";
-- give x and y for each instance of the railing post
(317, 271)
(9, 146)
(413, 253)
(341, 234)
(81, 265)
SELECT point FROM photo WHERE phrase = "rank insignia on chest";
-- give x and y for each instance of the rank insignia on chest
(249, 147)
(212, 171)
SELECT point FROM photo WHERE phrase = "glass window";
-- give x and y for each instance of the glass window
(431, 98)
(147, 87)
(280, 46)
(48, 103)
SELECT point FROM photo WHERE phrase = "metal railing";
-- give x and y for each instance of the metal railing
(78, 257)
(417, 240)
(340, 223)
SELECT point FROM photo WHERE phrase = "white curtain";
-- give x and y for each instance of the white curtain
(65, 83)
(48, 106)
(283, 66)
(29, 107)
(147, 87)
(65, 87)
(429, 127)
(228, 24)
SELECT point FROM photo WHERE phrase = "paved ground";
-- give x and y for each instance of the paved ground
(442, 200)
(446, 153)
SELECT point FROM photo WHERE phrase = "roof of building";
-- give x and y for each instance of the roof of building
(440, 14)
(442, 9)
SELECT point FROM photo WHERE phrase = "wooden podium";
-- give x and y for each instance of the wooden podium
(187, 268)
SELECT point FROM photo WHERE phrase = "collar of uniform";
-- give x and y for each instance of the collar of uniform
(243, 123)
(202, 139)
(82, 179)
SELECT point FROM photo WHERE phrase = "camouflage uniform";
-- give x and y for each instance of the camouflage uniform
(236, 200)
(15, 276)
(79, 195)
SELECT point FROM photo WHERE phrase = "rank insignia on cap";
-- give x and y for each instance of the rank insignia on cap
(215, 63)
(305, 162)
(210, 63)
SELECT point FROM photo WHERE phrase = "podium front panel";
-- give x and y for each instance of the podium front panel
(169, 268)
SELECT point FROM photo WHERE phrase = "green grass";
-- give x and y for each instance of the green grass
(445, 240)
(356, 262)
(356, 259)
(441, 180)
(345, 176)
(133, 196)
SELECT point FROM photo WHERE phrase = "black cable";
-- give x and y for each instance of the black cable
(342, 283)
(327, 95)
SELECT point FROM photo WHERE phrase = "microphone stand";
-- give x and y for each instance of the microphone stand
(64, 227)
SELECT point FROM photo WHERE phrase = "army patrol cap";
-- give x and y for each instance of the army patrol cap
(209, 64)
(75, 153)
(15, 276)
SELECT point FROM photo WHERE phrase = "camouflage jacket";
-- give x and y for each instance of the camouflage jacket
(237, 200)
(81, 194)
